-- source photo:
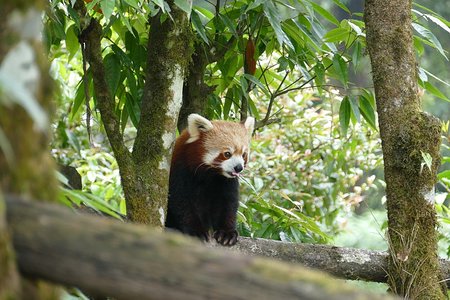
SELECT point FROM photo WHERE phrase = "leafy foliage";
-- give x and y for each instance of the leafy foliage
(315, 175)
(288, 62)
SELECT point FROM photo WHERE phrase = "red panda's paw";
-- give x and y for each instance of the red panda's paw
(226, 237)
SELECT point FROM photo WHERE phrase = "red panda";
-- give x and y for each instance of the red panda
(207, 160)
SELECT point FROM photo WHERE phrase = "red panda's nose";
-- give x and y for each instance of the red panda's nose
(238, 168)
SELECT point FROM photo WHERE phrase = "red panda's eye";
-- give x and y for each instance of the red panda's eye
(227, 154)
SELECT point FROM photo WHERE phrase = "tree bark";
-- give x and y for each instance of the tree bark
(145, 172)
(406, 133)
(345, 263)
(126, 261)
(26, 165)
(169, 52)
(195, 90)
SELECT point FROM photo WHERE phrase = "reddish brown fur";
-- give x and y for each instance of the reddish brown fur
(201, 195)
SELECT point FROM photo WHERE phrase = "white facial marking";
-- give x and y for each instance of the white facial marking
(229, 164)
(209, 157)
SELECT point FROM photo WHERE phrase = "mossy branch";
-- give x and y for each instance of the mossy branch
(127, 261)
(90, 41)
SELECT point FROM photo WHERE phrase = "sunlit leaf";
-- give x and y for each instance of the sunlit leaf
(337, 35)
(107, 7)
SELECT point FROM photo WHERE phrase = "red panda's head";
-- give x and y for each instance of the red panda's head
(221, 145)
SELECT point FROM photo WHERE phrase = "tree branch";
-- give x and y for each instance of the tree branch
(90, 40)
(127, 261)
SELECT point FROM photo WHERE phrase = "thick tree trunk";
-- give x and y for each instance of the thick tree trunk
(169, 52)
(26, 167)
(406, 132)
(145, 172)
(126, 261)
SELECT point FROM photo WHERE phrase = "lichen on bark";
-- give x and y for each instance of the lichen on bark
(161, 102)
(406, 133)
(29, 170)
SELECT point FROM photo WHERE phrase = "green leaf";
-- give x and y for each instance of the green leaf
(367, 111)
(160, 4)
(133, 109)
(257, 83)
(340, 66)
(73, 140)
(319, 71)
(337, 35)
(184, 5)
(444, 174)
(274, 19)
(345, 111)
(355, 109)
(91, 4)
(79, 98)
(227, 103)
(107, 7)
(439, 21)
(324, 13)
(226, 20)
(113, 69)
(429, 36)
(133, 3)
(198, 25)
(342, 6)
(357, 54)
(418, 45)
(72, 43)
(435, 91)
(254, 4)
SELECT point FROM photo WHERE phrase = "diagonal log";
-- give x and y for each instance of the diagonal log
(126, 261)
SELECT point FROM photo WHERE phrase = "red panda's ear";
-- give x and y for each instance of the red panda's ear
(197, 124)
(249, 124)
